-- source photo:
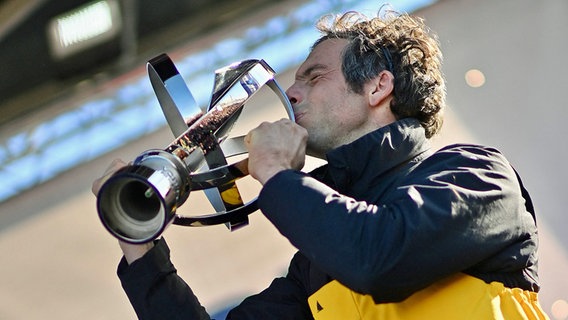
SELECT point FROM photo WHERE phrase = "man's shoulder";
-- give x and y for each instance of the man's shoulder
(467, 159)
(468, 148)
(473, 153)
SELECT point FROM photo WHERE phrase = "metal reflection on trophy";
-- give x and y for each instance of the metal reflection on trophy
(139, 201)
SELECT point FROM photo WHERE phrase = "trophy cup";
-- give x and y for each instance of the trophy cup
(139, 201)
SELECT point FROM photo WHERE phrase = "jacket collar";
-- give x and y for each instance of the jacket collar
(375, 154)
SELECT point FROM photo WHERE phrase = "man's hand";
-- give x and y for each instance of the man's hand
(132, 252)
(112, 168)
(274, 147)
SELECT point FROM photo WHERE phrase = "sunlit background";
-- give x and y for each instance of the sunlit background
(74, 94)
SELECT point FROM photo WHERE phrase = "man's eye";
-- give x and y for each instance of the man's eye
(315, 78)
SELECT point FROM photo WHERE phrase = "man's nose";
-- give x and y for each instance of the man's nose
(293, 94)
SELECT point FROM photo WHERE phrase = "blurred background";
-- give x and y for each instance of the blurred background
(74, 94)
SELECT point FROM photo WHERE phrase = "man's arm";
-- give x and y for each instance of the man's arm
(149, 278)
(157, 292)
(154, 288)
(455, 213)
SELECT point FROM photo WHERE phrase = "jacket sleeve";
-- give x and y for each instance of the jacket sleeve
(456, 209)
(155, 290)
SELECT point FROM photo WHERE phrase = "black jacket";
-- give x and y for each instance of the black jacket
(385, 217)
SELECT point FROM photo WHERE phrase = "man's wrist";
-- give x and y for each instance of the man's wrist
(266, 174)
(133, 252)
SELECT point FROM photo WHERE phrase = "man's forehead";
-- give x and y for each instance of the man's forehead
(325, 56)
(308, 67)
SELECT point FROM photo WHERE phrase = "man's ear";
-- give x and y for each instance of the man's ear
(380, 88)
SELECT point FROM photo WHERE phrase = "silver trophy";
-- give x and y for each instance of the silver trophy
(139, 201)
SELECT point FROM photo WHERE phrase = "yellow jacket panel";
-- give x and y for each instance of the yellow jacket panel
(457, 297)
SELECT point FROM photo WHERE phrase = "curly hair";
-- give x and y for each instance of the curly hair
(401, 44)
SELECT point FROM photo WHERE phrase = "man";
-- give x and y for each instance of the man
(388, 229)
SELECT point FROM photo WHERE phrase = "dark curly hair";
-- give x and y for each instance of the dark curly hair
(401, 44)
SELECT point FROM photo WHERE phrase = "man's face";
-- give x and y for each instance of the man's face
(332, 114)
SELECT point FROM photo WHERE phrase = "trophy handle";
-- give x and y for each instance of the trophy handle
(172, 93)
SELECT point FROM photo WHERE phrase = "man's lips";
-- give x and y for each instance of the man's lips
(298, 115)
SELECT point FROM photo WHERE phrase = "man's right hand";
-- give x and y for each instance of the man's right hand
(274, 147)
